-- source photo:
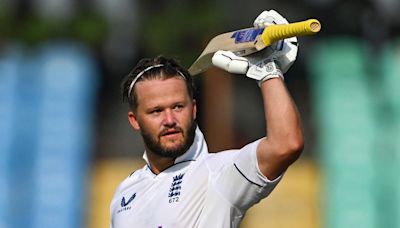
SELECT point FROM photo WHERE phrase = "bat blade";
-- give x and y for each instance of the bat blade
(248, 41)
(241, 42)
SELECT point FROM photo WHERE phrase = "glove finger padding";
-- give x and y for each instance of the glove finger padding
(284, 52)
(286, 56)
(255, 66)
(230, 62)
(269, 18)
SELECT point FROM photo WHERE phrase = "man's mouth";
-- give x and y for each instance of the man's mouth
(170, 132)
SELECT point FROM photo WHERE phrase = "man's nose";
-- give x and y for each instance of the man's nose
(169, 118)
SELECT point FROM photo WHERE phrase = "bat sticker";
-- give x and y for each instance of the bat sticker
(247, 35)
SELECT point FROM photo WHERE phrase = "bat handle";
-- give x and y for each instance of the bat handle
(274, 33)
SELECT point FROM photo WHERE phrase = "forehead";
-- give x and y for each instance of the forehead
(156, 91)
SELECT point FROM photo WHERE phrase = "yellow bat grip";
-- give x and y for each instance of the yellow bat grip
(274, 33)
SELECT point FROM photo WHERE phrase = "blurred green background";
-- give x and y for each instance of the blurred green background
(65, 142)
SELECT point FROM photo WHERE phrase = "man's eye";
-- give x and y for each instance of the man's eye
(155, 111)
(178, 107)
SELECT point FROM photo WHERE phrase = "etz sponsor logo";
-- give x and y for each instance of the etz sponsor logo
(124, 203)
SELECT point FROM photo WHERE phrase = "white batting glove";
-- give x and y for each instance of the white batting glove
(284, 51)
(268, 63)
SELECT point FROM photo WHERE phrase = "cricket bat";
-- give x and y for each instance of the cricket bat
(248, 41)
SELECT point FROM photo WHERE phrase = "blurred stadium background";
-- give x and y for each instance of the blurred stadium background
(65, 142)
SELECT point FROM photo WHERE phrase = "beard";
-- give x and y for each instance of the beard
(154, 143)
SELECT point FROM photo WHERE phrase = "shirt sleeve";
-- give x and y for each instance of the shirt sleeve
(240, 180)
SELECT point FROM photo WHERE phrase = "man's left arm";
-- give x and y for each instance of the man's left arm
(285, 136)
(284, 143)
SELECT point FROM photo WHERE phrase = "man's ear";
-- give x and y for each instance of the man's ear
(194, 109)
(133, 121)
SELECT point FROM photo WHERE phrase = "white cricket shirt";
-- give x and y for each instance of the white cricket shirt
(201, 189)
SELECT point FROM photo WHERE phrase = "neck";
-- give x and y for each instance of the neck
(158, 163)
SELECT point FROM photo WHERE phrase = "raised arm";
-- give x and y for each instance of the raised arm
(284, 141)
(284, 136)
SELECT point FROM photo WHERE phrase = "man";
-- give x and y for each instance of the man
(182, 184)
